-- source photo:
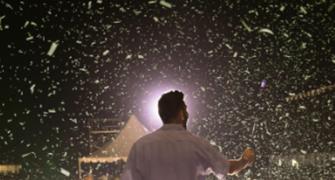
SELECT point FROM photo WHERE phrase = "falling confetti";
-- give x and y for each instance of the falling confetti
(52, 111)
(32, 88)
(105, 52)
(246, 26)
(295, 163)
(165, 3)
(1, 18)
(53, 48)
(267, 31)
(65, 172)
(29, 38)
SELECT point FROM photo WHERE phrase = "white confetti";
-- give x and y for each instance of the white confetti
(306, 77)
(53, 48)
(1, 18)
(152, 2)
(280, 162)
(105, 52)
(282, 8)
(156, 19)
(122, 9)
(33, 23)
(27, 154)
(74, 120)
(266, 129)
(52, 110)
(303, 10)
(228, 46)
(65, 172)
(137, 12)
(165, 4)
(315, 120)
(29, 38)
(302, 107)
(246, 26)
(84, 70)
(89, 5)
(9, 6)
(128, 56)
(212, 142)
(32, 88)
(26, 24)
(265, 30)
(295, 163)
(291, 94)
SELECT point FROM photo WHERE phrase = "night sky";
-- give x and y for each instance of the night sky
(110, 57)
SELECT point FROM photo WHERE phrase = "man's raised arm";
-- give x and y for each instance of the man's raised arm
(247, 158)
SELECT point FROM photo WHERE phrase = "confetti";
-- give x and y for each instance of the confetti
(53, 48)
(52, 111)
(27, 154)
(1, 18)
(105, 52)
(253, 74)
(32, 88)
(74, 120)
(165, 3)
(89, 5)
(267, 31)
(29, 38)
(303, 10)
(65, 172)
(246, 26)
(295, 163)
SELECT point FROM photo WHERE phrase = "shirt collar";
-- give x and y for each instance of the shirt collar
(172, 126)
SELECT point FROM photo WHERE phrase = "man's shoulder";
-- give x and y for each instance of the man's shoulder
(146, 138)
(159, 136)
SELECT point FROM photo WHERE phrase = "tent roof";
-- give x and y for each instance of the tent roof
(120, 147)
(9, 168)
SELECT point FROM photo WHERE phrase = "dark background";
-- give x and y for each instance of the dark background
(195, 45)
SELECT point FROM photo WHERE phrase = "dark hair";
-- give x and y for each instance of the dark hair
(170, 104)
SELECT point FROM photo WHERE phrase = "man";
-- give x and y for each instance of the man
(173, 153)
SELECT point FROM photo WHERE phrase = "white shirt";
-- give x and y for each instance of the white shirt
(173, 153)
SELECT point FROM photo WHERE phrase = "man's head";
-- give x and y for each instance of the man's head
(172, 108)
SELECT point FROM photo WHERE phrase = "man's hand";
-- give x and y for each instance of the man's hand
(249, 156)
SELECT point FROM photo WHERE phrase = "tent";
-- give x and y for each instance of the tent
(10, 168)
(118, 149)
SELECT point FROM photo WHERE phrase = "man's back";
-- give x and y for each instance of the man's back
(172, 153)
